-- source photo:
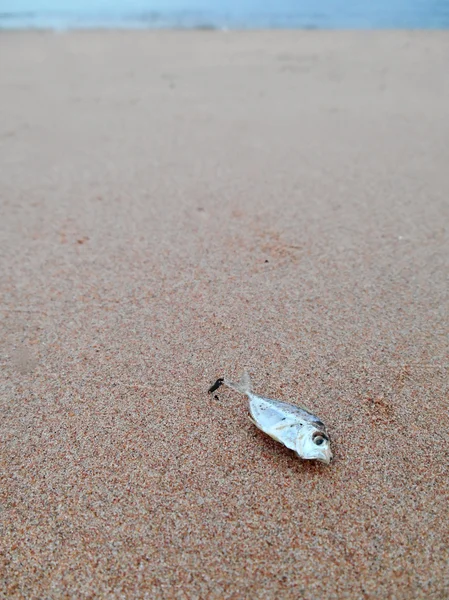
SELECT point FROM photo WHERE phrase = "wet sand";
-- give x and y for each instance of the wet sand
(179, 206)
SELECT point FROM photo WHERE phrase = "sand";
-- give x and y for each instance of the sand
(178, 206)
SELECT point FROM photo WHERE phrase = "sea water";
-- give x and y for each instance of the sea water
(220, 14)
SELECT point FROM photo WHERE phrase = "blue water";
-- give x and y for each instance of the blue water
(221, 14)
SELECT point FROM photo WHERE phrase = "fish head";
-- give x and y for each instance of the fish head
(313, 443)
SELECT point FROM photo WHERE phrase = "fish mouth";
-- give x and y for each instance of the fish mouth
(325, 458)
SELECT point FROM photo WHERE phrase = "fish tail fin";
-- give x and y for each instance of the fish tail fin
(244, 385)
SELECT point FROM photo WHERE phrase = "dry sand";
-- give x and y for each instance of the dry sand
(176, 206)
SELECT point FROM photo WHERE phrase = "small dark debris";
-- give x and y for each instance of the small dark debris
(216, 397)
(266, 260)
(216, 385)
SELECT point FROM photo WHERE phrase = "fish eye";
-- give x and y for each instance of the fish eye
(318, 440)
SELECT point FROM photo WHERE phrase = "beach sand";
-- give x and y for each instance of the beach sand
(176, 206)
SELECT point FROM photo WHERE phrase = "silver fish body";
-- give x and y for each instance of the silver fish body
(293, 426)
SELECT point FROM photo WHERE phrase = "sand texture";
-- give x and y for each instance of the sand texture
(177, 206)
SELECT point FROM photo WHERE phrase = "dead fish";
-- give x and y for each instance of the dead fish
(291, 425)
